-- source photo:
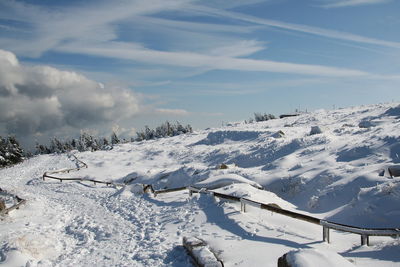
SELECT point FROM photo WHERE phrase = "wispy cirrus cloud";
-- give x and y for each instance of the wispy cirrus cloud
(333, 34)
(350, 3)
(52, 26)
(205, 61)
(103, 22)
(99, 31)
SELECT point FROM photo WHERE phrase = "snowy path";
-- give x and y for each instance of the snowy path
(115, 231)
(73, 224)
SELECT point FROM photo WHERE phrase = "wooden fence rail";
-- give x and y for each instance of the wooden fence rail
(19, 201)
(16, 206)
(81, 165)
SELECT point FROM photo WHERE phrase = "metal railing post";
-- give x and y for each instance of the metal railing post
(364, 240)
(326, 234)
(242, 206)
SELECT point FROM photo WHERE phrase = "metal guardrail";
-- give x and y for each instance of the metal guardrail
(365, 233)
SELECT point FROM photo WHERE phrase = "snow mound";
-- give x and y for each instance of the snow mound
(130, 191)
(316, 258)
(184, 176)
(220, 137)
(354, 153)
(224, 180)
(393, 111)
(258, 195)
(163, 179)
(14, 258)
(373, 207)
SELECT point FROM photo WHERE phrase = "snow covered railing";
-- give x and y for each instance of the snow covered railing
(16, 206)
(365, 233)
(149, 187)
(81, 165)
(81, 180)
(19, 201)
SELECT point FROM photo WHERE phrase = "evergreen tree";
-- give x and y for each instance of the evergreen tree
(164, 130)
(10, 151)
(74, 144)
(263, 117)
(114, 138)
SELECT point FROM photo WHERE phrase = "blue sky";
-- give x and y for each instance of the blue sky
(199, 62)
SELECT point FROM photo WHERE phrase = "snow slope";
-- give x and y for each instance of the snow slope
(338, 173)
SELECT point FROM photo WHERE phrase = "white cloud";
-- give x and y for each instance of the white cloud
(93, 30)
(294, 27)
(176, 112)
(52, 28)
(37, 100)
(348, 3)
(195, 60)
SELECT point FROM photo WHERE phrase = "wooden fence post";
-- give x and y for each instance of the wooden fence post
(2, 205)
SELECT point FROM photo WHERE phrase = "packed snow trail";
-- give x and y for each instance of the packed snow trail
(73, 224)
(116, 230)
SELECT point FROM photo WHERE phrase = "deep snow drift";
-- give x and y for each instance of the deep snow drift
(330, 164)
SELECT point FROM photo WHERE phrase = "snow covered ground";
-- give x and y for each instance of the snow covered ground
(339, 174)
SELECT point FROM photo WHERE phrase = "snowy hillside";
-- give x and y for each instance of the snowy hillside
(328, 164)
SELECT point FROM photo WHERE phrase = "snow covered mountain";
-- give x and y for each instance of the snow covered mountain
(329, 164)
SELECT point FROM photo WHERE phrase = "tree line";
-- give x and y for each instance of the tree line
(87, 142)
(12, 153)
(260, 117)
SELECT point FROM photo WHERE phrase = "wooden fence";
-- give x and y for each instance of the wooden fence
(19, 202)
(81, 164)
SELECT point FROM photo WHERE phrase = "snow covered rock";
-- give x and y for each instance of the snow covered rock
(315, 130)
(278, 134)
(312, 258)
(367, 123)
(394, 171)
(202, 255)
(222, 166)
(219, 137)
